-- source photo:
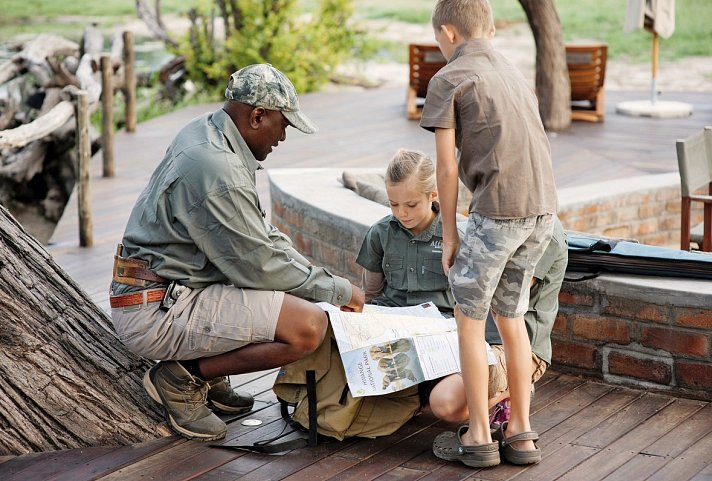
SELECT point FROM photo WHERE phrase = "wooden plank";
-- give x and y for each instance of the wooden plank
(568, 405)
(633, 442)
(344, 458)
(624, 420)
(691, 463)
(683, 436)
(553, 391)
(115, 459)
(560, 436)
(197, 457)
(47, 465)
(704, 475)
(639, 467)
(565, 459)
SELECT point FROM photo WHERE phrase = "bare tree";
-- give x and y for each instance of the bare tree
(152, 18)
(552, 77)
(66, 381)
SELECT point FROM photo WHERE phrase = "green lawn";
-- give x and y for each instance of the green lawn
(581, 19)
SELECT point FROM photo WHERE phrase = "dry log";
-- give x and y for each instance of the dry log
(35, 52)
(152, 20)
(87, 81)
(26, 163)
(66, 381)
(8, 113)
(45, 125)
(62, 76)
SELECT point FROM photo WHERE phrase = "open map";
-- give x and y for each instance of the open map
(386, 349)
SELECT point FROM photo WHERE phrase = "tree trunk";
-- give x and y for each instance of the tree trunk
(66, 381)
(552, 75)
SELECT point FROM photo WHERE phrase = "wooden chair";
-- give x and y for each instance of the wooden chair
(587, 72)
(424, 60)
(694, 158)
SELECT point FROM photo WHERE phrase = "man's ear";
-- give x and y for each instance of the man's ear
(256, 116)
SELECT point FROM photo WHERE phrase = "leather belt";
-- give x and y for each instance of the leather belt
(137, 298)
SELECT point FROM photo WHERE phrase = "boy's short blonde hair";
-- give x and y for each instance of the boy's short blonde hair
(411, 163)
(471, 18)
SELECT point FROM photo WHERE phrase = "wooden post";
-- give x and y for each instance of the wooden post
(107, 115)
(86, 236)
(129, 81)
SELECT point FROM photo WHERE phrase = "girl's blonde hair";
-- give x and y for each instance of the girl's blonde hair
(471, 18)
(411, 163)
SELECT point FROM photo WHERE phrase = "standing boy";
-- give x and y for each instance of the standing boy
(481, 105)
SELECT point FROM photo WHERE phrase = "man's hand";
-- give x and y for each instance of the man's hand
(449, 252)
(356, 302)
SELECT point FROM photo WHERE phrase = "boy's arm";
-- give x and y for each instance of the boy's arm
(373, 284)
(446, 173)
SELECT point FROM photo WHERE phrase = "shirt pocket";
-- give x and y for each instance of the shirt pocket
(433, 277)
(394, 271)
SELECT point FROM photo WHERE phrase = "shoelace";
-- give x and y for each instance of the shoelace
(197, 394)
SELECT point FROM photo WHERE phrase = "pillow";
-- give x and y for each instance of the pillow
(376, 193)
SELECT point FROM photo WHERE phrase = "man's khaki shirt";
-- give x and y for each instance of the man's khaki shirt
(504, 154)
(199, 221)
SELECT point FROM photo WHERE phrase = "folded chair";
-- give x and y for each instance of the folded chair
(424, 60)
(587, 72)
(694, 158)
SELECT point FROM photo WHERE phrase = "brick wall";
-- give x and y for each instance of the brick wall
(647, 332)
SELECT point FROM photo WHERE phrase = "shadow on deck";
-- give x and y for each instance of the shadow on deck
(589, 430)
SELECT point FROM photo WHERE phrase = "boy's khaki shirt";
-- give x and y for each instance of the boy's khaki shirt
(504, 154)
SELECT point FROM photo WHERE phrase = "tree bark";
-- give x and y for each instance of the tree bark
(66, 381)
(552, 75)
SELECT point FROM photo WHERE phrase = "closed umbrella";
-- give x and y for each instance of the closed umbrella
(658, 18)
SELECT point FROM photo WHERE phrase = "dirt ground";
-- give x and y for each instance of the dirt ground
(692, 74)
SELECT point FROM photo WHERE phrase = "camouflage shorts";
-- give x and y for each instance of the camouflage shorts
(495, 264)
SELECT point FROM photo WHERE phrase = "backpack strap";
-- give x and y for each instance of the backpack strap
(311, 400)
(268, 446)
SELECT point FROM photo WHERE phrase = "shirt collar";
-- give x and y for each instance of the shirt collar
(471, 46)
(225, 124)
(434, 229)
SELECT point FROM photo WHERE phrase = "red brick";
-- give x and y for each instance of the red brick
(354, 270)
(575, 299)
(693, 317)
(330, 257)
(601, 329)
(634, 309)
(639, 367)
(694, 375)
(303, 244)
(277, 209)
(561, 325)
(675, 340)
(622, 231)
(574, 355)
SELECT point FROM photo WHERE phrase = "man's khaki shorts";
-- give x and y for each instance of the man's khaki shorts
(203, 322)
(498, 372)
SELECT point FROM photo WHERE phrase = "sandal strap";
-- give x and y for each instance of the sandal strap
(476, 448)
(525, 436)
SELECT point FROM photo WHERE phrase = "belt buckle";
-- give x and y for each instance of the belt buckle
(173, 292)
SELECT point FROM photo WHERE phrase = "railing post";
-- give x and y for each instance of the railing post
(129, 81)
(86, 236)
(107, 115)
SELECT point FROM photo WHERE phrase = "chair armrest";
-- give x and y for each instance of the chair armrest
(705, 199)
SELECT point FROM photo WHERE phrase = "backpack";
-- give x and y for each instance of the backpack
(335, 412)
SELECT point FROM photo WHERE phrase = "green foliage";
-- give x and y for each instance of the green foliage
(306, 48)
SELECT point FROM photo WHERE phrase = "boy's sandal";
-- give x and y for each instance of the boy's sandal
(513, 455)
(448, 446)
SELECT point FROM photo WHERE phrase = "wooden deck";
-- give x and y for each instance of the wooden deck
(589, 430)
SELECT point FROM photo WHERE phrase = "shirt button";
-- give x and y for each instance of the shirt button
(412, 269)
(388, 265)
(412, 242)
(338, 298)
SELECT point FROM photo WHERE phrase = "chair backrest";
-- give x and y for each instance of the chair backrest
(694, 159)
(587, 69)
(425, 60)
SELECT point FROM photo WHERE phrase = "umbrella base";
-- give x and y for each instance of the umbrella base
(646, 108)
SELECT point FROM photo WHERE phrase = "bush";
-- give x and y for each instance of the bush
(268, 31)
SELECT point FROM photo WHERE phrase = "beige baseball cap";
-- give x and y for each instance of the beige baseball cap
(262, 85)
